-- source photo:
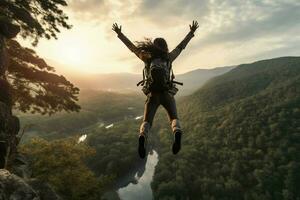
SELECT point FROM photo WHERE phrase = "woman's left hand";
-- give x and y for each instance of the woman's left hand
(116, 28)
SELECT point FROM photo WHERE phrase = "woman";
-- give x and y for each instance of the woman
(156, 56)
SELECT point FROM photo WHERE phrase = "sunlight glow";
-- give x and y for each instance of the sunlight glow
(224, 37)
(73, 51)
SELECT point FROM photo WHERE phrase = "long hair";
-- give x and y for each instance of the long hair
(158, 48)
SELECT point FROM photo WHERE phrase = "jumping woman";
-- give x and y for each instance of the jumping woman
(158, 81)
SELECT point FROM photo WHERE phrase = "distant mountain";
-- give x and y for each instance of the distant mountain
(193, 80)
(126, 82)
(241, 137)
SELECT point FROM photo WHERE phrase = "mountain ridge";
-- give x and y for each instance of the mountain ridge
(241, 137)
(126, 82)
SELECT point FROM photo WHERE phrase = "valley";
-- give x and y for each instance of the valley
(240, 134)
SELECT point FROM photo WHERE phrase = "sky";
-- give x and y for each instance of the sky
(231, 32)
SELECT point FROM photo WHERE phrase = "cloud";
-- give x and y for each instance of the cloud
(287, 45)
(230, 32)
(88, 9)
(220, 20)
(248, 32)
(253, 21)
(239, 31)
(165, 12)
(102, 10)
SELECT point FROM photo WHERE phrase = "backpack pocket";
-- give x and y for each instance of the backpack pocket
(159, 80)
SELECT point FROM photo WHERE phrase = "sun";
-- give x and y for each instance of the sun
(73, 52)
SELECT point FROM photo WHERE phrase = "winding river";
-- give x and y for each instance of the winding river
(141, 189)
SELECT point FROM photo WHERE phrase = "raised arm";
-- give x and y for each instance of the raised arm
(127, 42)
(175, 52)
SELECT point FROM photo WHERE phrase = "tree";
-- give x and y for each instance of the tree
(36, 18)
(62, 164)
(34, 86)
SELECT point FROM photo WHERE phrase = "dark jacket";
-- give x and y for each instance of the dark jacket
(172, 55)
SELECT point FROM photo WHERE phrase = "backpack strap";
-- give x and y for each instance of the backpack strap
(172, 74)
(145, 78)
(142, 82)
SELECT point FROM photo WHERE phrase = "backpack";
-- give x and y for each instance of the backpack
(158, 76)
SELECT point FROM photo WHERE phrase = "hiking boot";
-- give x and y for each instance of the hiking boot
(142, 149)
(177, 142)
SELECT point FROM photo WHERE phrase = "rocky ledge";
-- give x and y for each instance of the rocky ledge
(13, 187)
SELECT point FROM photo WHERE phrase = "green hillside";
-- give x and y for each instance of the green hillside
(195, 79)
(247, 80)
(241, 137)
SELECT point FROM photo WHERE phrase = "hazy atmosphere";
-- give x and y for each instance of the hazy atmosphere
(75, 126)
(230, 33)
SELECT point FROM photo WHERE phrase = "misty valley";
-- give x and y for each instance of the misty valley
(241, 140)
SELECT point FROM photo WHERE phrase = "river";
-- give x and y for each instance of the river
(141, 189)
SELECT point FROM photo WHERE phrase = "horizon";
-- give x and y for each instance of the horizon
(77, 73)
(229, 34)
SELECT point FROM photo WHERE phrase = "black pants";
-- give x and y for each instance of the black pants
(154, 100)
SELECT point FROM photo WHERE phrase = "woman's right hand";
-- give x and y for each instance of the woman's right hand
(116, 28)
(194, 26)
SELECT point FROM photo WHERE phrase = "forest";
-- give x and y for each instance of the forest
(241, 139)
